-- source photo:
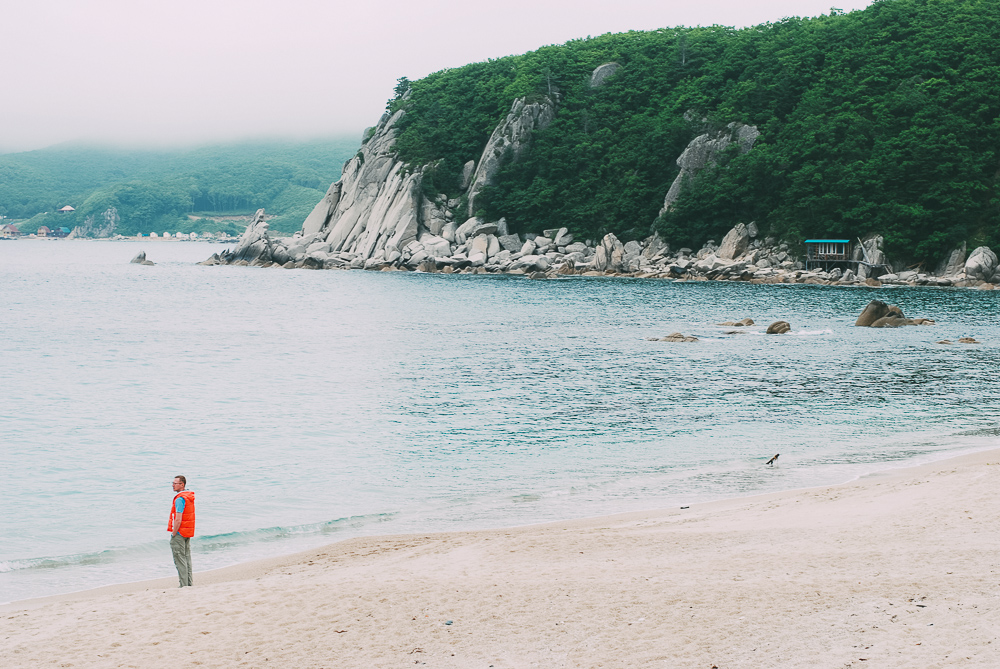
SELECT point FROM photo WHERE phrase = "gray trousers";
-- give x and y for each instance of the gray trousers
(181, 548)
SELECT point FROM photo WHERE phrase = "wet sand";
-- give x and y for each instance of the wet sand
(894, 570)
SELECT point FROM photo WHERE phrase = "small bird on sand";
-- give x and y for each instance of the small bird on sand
(771, 461)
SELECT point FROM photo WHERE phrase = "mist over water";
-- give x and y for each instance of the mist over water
(307, 407)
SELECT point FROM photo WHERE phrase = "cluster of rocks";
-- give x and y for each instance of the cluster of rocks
(878, 314)
(480, 247)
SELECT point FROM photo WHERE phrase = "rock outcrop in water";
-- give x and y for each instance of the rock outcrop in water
(779, 327)
(878, 314)
(140, 259)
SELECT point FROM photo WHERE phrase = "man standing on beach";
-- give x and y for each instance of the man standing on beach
(181, 528)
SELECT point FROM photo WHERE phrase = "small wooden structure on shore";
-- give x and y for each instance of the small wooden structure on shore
(828, 253)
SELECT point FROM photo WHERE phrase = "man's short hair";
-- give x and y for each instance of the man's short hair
(183, 480)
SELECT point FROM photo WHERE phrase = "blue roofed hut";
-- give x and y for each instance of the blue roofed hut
(828, 253)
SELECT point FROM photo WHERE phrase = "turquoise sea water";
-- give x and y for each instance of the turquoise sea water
(307, 407)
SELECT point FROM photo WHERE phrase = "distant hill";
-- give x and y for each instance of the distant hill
(881, 121)
(164, 190)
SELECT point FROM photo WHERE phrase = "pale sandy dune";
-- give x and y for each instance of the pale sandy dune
(896, 570)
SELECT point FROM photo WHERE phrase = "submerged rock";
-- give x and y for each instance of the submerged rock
(779, 327)
(677, 338)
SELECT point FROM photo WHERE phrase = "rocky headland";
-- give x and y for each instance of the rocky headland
(378, 217)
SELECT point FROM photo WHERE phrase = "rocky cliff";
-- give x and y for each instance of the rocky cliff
(509, 142)
(377, 213)
(377, 216)
(703, 152)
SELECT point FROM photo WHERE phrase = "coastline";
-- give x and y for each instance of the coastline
(782, 276)
(898, 567)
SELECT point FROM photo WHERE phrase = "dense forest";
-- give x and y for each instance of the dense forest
(882, 121)
(177, 191)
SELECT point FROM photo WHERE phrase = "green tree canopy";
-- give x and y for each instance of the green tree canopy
(885, 121)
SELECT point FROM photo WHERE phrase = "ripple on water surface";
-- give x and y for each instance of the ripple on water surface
(310, 406)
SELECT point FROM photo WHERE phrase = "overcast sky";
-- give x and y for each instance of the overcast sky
(198, 71)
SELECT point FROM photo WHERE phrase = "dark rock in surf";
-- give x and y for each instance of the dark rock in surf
(779, 327)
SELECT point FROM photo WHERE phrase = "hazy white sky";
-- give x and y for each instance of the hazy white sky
(194, 71)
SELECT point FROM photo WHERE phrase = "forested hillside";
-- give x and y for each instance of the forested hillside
(156, 191)
(881, 121)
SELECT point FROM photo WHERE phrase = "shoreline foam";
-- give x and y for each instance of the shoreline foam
(899, 568)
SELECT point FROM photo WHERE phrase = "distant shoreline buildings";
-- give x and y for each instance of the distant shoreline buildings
(10, 231)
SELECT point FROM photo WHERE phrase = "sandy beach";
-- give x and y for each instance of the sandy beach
(898, 569)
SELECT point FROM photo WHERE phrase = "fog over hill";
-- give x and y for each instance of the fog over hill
(171, 190)
(195, 72)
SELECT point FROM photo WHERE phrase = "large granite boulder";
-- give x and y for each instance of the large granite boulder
(735, 243)
(602, 73)
(608, 255)
(778, 327)
(510, 243)
(875, 311)
(467, 229)
(982, 264)
(434, 246)
(468, 171)
(632, 256)
(654, 246)
(479, 244)
(433, 216)
(140, 259)
(255, 246)
(870, 252)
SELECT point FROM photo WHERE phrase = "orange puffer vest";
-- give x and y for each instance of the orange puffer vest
(187, 516)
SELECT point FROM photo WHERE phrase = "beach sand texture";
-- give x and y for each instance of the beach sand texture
(893, 570)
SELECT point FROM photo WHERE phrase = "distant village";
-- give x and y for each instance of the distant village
(10, 231)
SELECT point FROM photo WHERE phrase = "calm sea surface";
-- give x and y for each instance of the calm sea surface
(307, 407)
